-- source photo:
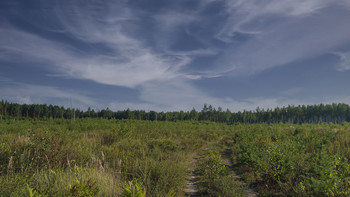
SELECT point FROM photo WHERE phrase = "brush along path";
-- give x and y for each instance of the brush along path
(230, 184)
(227, 161)
(192, 188)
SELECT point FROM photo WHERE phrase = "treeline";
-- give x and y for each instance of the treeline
(335, 113)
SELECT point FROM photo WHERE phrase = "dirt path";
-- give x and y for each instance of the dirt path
(228, 162)
(191, 188)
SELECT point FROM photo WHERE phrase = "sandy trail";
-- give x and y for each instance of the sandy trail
(192, 189)
(228, 162)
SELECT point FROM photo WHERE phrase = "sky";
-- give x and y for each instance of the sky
(167, 55)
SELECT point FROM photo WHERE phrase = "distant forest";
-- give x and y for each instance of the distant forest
(335, 113)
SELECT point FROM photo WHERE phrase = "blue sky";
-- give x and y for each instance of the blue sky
(168, 55)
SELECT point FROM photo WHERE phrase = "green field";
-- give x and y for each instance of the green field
(100, 157)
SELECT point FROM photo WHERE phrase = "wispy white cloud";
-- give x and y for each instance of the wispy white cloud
(179, 95)
(280, 32)
(336, 99)
(243, 12)
(168, 23)
(284, 32)
(24, 100)
(17, 43)
(131, 68)
(170, 20)
(172, 96)
(344, 61)
(97, 22)
(29, 94)
(130, 62)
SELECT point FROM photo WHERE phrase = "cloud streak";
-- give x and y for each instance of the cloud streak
(244, 12)
(282, 32)
(160, 53)
(344, 61)
(129, 64)
(29, 94)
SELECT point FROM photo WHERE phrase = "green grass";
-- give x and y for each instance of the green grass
(216, 178)
(299, 160)
(100, 157)
(45, 155)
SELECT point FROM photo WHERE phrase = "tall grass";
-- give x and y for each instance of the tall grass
(101, 157)
(44, 155)
(298, 160)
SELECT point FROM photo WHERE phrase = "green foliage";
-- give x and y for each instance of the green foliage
(34, 193)
(215, 179)
(95, 157)
(107, 152)
(83, 189)
(133, 188)
(301, 160)
(211, 166)
(336, 113)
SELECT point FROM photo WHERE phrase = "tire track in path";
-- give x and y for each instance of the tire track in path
(191, 188)
(227, 161)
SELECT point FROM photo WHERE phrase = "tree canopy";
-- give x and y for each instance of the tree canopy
(336, 113)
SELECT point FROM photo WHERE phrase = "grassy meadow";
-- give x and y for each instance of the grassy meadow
(100, 157)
